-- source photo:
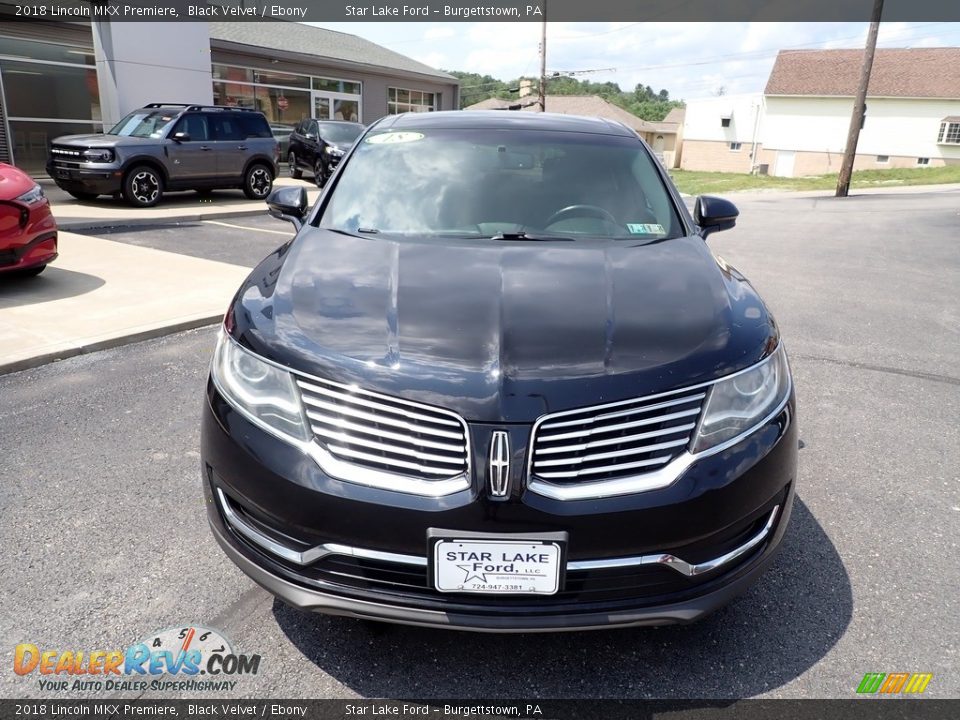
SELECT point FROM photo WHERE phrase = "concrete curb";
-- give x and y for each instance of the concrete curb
(65, 353)
(70, 225)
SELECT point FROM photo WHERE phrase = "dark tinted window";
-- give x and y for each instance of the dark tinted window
(254, 125)
(340, 133)
(477, 183)
(225, 126)
(195, 126)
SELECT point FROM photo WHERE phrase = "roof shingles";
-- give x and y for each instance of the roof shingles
(587, 105)
(897, 72)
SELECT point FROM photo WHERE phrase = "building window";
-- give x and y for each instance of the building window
(400, 100)
(286, 98)
(725, 122)
(735, 146)
(949, 132)
(50, 90)
(923, 161)
(883, 159)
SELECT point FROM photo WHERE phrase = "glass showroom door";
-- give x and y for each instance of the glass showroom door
(321, 107)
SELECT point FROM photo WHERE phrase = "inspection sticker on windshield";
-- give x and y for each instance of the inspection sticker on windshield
(390, 138)
(497, 566)
(645, 229)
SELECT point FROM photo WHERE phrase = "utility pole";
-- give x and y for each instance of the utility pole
(543, 61)
(859, 104)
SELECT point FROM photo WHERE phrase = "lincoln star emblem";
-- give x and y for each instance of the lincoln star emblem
(499, 465)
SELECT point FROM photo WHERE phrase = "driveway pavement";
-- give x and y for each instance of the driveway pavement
(107, 539)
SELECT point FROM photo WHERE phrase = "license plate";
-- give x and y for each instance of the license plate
(497, 566)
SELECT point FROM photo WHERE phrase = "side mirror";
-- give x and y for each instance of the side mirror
(714, 214)
(310, 136)
(181, 137)
(288, 203)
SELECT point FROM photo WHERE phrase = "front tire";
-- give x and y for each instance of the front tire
(319, 176)
(257, 182)
(295, 172)
(143, 186)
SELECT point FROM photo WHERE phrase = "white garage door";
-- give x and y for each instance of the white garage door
(784, 165)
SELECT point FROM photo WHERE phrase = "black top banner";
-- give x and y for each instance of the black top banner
(480, 10)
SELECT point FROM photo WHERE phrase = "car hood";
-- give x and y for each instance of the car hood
(13, 182)
(503, 331)
(102, 140)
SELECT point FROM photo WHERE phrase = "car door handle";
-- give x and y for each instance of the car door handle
(206, 147)
(241, 147)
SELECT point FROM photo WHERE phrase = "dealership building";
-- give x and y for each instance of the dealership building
(65, 78)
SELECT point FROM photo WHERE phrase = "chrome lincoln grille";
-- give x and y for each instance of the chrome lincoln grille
(615, 440)
(385, 433)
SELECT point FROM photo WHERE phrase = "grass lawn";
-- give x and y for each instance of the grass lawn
(712, 183)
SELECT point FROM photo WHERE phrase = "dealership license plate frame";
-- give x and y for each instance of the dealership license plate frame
(551, 584)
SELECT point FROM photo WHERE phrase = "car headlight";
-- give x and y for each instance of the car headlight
(34, 194)
(98, 155)
(742, 401)
(332, 151)
(264, 393)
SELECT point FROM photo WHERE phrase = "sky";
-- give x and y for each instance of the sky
(690, 60)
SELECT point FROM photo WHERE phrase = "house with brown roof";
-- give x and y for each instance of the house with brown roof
(798, 126)
(662, 137)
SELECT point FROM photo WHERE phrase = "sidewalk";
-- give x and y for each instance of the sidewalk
(106, 211)
(100, 293)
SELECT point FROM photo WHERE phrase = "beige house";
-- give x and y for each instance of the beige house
(798, 126)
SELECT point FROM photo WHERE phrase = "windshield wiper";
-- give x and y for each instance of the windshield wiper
(340, 231)
(524, 235)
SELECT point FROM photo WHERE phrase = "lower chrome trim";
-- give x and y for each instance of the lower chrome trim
(675, 563)
(311, 555)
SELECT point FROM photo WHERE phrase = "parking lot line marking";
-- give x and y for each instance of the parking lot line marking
(246, 227)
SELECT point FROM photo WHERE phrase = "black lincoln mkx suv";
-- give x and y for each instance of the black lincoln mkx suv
(499, 382)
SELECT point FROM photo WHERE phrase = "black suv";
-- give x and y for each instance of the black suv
(164, 146)
(318, 145)
(498, 381)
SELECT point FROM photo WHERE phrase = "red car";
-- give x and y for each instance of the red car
(28, 231)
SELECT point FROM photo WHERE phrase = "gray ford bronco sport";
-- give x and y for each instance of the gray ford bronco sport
(166, 146)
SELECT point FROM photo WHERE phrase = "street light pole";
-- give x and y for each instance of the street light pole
(543, 61)
(859, 104)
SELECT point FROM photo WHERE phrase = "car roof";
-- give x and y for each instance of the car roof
(502, 119)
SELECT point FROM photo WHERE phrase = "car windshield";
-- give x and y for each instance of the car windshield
(144, 123)
(503, 184)
(340, 133)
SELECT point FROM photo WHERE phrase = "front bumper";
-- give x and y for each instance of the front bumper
(31, 243)
(103, 180)
(717, 506)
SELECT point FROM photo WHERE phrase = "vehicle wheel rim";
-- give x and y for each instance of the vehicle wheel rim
(145, 187)
(318, 172)
(292, 163)
(260, 182)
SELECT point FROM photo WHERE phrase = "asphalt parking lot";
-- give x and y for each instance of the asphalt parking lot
(106, 538)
